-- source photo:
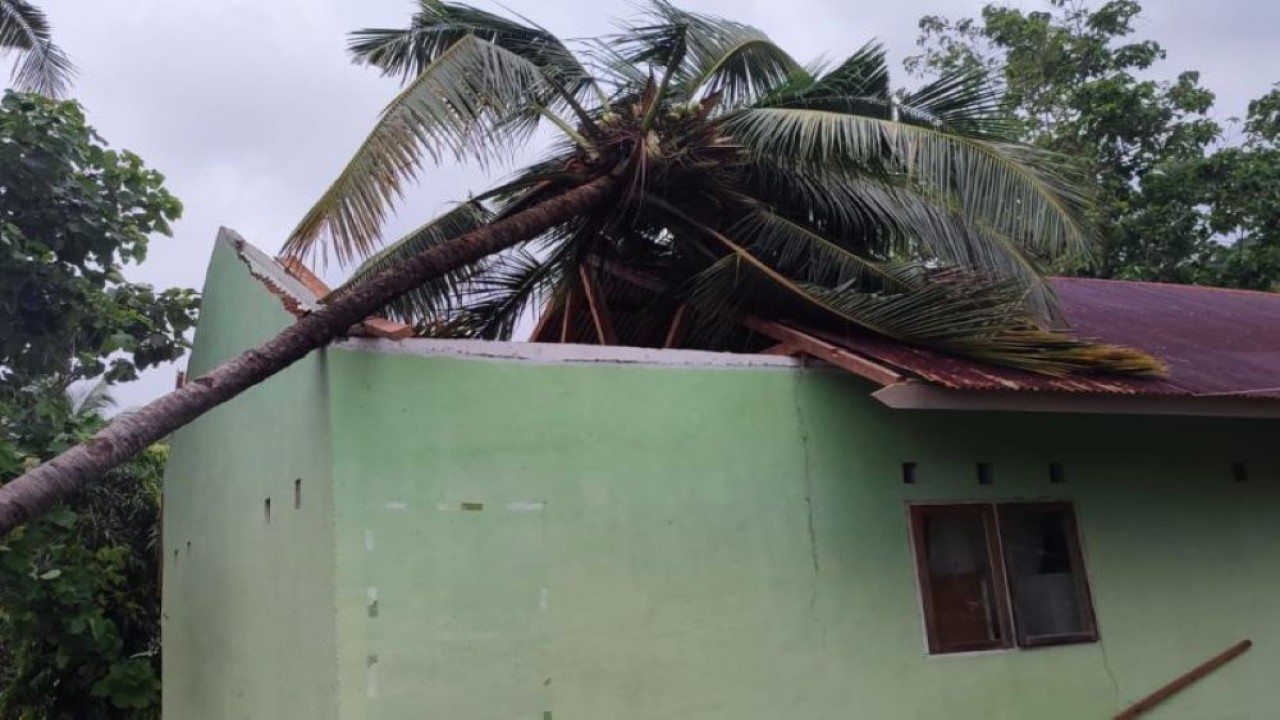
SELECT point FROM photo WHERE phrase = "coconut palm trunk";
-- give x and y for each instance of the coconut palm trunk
(747, 182)
(60, 478)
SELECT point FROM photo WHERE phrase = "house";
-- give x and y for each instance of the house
(403, 528)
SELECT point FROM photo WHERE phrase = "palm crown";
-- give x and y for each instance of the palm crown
(745, 185)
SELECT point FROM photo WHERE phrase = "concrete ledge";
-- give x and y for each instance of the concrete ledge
(566, 353)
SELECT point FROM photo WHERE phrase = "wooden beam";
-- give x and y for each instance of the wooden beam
(375, 325)
(677, 325)
(568, 314)
(544, 319)
(599, 309)
(781, 349)
(824, 350)
(1181, 683)
(294, 267)
(619, 270)
(821, 349)
(389, 329)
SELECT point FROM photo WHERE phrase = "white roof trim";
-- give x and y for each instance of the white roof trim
(565, 353)
(920, 396)
(264, 267)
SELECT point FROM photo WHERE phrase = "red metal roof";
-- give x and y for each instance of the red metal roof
(1216, 342)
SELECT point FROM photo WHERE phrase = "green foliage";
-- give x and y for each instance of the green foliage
(1172, 203)
(79, 591)
(72, 213)
(748, 184)
(1243, 189)
(79, 602)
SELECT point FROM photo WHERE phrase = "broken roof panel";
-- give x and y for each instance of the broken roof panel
(300, 290)
(1216, 342)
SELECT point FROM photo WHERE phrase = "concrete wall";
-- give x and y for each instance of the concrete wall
(526, 540)
(489, 539)
(248, 612)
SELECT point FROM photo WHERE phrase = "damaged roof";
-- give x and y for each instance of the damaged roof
(1220, 345)
(300, 290)
(1216, 343)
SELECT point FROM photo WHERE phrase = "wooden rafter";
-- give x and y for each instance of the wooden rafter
(800, 341)
(824, 350)
(782, 348)
(568, 315)
(544, 319)
(384, 328)
(375, 325)
(300, 272)
(599, 309)
(677, 326)
(623, 272)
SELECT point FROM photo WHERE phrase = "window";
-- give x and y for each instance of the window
(1001, 576)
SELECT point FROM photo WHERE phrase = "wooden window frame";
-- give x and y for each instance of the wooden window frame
(1012, 633)
(1090, 632)
(995, 563)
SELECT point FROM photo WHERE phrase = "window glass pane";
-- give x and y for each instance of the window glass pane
(962, 591)
(1038, 542)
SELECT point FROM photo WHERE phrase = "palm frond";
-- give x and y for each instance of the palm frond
(42, 66)
(710, 54)
(611, 65)
(863, 76)
(803, 252)
(979, 318)
(1010, 188)
(517, 281)
(437, 26)
(717, 299)
(858, 86)
(957, 311)
(91, 399)
(964, 102)
(885, 217)
(461, 106)
(983, 320)
(436, 299)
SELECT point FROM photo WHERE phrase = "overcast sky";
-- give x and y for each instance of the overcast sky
(250, 107)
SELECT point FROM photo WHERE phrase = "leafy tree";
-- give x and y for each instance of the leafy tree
(41, 66)
(1174, 203)
(78, 587)
(73, 212)
(693, 151)
(1243, 186)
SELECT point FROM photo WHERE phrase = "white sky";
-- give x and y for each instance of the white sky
(250, 107)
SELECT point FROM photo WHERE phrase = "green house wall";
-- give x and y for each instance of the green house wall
(574, 541)
(248, 610)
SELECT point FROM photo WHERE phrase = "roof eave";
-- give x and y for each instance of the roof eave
(914, 395)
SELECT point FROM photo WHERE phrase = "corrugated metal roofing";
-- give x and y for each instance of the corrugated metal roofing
(1216, 342)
